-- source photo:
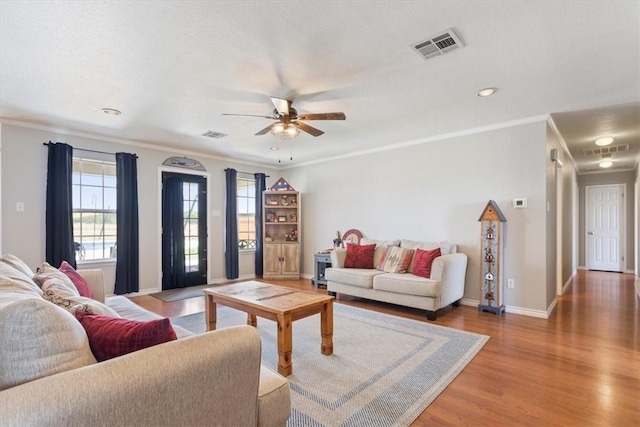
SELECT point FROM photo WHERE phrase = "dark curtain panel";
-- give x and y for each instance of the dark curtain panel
(128, 259)
(231, 248)
(173, 275)
(59, 206)
(260, 187)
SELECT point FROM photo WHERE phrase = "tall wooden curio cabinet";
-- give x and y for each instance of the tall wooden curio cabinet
(281, 234)
(491, 253)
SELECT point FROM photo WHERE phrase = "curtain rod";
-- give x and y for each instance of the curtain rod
(247, 173)
(86, 149)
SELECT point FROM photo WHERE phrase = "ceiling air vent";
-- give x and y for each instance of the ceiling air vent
(438, 45)
(601, 151)
(214, 134)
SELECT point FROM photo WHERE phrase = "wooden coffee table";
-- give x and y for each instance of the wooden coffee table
(278, 303)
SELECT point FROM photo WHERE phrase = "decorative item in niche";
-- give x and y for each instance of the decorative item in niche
(282, 218)
(184, 162)
(352, 236)
(282, 185)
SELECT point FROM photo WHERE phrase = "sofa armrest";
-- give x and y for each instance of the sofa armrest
(209, 379)
(338, 255)
(451, 271)
(95, 280)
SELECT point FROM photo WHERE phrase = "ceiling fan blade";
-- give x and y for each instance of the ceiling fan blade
(282, 105)
(309, 129)
(266, 130)
(248, 115)
(323, 116)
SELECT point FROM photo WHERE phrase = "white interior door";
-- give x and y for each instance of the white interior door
(604, 223)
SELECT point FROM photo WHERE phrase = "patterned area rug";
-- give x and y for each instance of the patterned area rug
(385, 370)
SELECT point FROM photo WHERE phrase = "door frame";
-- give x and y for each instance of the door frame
(622, 219)
(207, 176)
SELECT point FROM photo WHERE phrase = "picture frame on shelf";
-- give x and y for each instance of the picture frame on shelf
(282, 218)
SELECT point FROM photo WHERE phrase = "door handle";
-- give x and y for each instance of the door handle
(590, 233)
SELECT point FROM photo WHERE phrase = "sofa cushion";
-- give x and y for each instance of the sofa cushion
(38, 339)
(395, 259)
(16, 281)
(408, 284)
(381, 245)
(111, 337)
(422, 261)
(359, 256)
(58, 293)
(47, 271)
(360, 277)
(445, 248)
(78, 281)
(130, 310)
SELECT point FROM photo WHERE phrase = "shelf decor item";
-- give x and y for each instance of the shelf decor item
(491, 252)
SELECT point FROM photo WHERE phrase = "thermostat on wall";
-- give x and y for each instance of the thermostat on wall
(519, 203)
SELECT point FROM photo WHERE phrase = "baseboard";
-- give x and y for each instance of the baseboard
(306, 276)
(514, 310)
(582, 267)
(568, 282)
(629, 272)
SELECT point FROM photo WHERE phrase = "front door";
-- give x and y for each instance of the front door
(184, 230)
(604, 223)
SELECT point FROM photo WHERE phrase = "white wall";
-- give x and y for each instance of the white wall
(436, 191)
(23, 179)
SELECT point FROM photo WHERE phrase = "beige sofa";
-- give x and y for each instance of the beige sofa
(444, 287)
(212, 379)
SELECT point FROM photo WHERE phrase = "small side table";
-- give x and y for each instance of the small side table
(321, 261)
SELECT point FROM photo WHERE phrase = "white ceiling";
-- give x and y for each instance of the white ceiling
(173, 68)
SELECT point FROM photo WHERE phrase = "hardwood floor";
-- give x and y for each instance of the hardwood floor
(580, 367)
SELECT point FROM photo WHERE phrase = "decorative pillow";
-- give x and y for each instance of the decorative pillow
(395, 260)
(16, 281)
(56, 292)
(112, 337)
(38, 339)
(78, 281)
(47, 271)
(422, 261)
(359, 256)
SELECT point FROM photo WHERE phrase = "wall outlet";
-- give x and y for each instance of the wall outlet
(19, 207)
(510, 283)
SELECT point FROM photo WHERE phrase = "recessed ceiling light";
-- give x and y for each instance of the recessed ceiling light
(486, 92)
(274, 148)
(604, 141)
(111, 111)
(605, 164)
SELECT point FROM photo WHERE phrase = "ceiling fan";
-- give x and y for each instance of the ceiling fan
(288, 123)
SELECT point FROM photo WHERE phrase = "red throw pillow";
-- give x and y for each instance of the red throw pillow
(422, 261)
(111, 337)
(78, 281)
(359, 256)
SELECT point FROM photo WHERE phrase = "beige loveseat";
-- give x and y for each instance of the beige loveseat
(212, 379)
(445, 285)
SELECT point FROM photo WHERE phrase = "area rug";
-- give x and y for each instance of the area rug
(182, 293)
(384, 371)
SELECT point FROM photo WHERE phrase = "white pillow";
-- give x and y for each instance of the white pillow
(38, 339)
(16, 281)
(46, 271)
(56, 292)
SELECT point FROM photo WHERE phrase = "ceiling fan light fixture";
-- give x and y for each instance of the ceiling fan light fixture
(285, 130)
(605, 164)
(603, 142)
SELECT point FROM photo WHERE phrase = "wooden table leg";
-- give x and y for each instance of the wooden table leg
(211, 314)
(285, 344)
(326, 328)
(252, 320)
